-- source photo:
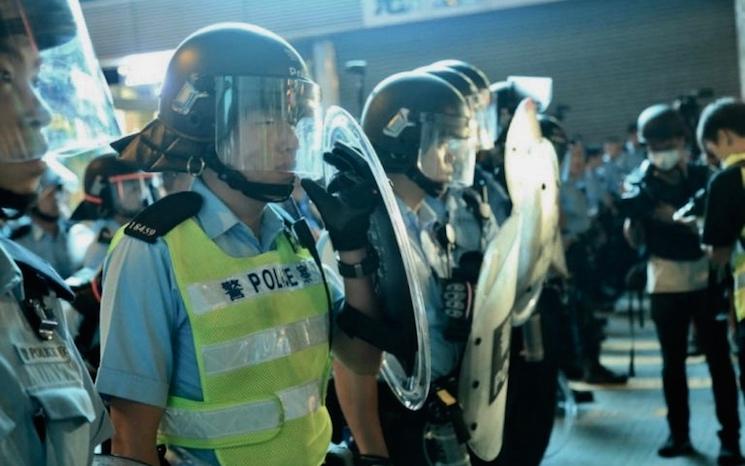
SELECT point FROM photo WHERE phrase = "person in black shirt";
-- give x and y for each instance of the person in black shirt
(721, 133)
(678, 279)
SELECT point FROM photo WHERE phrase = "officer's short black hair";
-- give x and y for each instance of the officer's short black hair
(660, 122)
(725, 113)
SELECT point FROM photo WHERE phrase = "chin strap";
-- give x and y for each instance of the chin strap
(264, 192)
(14, 205)
(44, 217)
(432, 188)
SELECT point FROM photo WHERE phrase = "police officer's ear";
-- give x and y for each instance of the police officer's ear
(722, 140)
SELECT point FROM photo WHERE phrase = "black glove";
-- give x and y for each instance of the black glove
(371, 460)
(352, 195)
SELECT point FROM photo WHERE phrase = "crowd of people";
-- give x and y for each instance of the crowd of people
(187, 282)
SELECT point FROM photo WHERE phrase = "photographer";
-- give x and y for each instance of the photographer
(721, 134)
(677, 278)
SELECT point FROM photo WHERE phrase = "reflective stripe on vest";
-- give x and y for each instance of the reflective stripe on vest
(265, 346)
(247, 418)
(738, 270)
(260, 328)
(738, 262)
(739, 273)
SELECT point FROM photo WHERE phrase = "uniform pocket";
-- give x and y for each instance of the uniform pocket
(65, 403)
(69, 415)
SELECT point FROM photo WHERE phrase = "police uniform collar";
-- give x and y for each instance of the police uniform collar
(21, 255)
(216, 218)
(733, 159)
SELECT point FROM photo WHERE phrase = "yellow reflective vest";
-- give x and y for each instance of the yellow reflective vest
(738, 254)
(261, 336)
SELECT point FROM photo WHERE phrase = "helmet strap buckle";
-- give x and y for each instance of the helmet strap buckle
(195, 171)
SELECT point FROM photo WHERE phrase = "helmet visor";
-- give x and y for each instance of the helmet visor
(269, 127)
(486, 117)
(53, 97)
(447, 153)
(133, 192)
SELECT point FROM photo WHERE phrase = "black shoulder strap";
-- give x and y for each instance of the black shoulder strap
(305, 238)
(301, 233)
(158, 219)
(30, 263)
(20, 232)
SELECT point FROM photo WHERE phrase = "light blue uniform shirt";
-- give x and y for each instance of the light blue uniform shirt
(96, 252)
(444, 353)
(147, 348)
(471, 233)
(44, 375)
(54, 249)
(575, 200)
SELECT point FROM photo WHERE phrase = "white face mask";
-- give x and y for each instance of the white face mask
(665, 159)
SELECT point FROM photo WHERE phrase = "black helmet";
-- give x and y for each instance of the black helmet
(470, 92)
(554, 132)
(458, 80)
(485, 111)
(474, 74)
(660, 122)
(187, 98)
(219, 78)
(104, 192)
(410, 113)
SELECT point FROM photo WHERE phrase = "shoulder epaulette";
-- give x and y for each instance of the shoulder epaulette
(158, 219)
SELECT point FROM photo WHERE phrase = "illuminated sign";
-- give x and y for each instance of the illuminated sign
(387, 12)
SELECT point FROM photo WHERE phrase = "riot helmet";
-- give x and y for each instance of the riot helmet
(485, 111)
(55, 188)
(115, 187)
(238, 99)
(419, 125)
(54, 100)
(664, 132)
(463, 172)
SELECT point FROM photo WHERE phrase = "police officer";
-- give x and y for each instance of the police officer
(49, 412)
(721, 132)
(677, 279)
(114, 192)
(45, 230)
(215, 311)
(419, 126)
(461, 208)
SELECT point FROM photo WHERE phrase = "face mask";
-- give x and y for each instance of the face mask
(665, 160)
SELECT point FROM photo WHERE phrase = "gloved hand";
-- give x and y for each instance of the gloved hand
(371, 460)
(352, 195)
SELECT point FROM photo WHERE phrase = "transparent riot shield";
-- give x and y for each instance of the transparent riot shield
(396, 285)
(54, 99)
(482, 384)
